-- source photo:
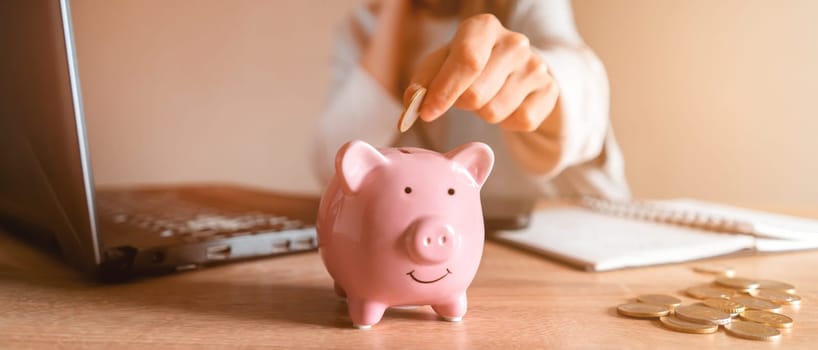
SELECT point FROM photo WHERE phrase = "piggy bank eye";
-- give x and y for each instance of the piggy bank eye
(407, 189)
(451, 191)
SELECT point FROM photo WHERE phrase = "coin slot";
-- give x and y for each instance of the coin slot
(218, 252)
(404, 150)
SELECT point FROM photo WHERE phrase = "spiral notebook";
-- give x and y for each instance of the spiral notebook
(601, 235)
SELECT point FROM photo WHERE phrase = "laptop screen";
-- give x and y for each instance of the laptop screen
(44, 169)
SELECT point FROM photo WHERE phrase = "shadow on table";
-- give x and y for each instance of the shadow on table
(259, 301)
(252, 295)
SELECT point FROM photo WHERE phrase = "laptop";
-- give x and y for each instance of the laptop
(47, 190)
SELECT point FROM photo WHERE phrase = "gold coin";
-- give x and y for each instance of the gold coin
(642, 310)
(411, 113)
(680, 325)
(777, 297)
(729, 306)
(754, 303)
(775, 285)
(769, 318)
(704, 292)
(752, 330)
(660, 299)
(740, 291)
(738, 283)
(702, 314)
(715, 269)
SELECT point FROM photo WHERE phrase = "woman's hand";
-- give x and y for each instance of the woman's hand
(490, 70)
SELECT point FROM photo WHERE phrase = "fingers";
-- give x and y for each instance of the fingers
(510, 54)
(427, 69)
(515, 90)
(489, 70)
(533, 111)
(469, 52)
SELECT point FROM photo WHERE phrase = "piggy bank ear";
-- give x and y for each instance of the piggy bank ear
(354, 161)
(476, 157)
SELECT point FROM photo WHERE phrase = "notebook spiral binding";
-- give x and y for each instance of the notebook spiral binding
(648, 211)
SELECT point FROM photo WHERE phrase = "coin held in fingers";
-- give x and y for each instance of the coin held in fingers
(412, 112)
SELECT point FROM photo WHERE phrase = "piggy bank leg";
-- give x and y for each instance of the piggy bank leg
(339, 291)
(365, 313)
(452, 311)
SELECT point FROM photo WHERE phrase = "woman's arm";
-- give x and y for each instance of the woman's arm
(575, 131)
(381, 55)
(360, 104)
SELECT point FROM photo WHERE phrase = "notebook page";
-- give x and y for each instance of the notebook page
(602, 242)
(766, 224)
(783, 245)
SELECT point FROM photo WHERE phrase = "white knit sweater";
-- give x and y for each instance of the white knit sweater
(581, 154)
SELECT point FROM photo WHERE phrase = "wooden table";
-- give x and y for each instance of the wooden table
(517, 299)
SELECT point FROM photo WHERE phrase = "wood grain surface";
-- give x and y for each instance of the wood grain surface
(518, 300)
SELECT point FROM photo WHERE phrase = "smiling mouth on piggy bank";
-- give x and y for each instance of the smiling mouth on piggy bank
(412, 274)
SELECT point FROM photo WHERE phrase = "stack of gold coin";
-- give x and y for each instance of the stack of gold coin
(667, 301)
(753, 303)
(729, 306)
(775, 285)
(771, 319)
(738, 284)
(706, 292)
(752, 330)
(777, 297)
(757, 303)
(641, 310)
(680, 325)
(703, 314)
(714, 269)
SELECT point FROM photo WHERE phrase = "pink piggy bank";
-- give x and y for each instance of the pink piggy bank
(403, 226)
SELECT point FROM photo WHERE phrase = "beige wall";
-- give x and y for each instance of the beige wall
(710, 99)
(713, 99)
(204, 90)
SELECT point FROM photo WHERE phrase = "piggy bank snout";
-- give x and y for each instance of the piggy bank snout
(431, 241)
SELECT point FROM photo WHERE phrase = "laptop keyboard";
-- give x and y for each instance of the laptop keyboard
(168, 215)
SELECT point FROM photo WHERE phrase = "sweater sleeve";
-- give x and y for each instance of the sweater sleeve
(576, 131)
(357, 106)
